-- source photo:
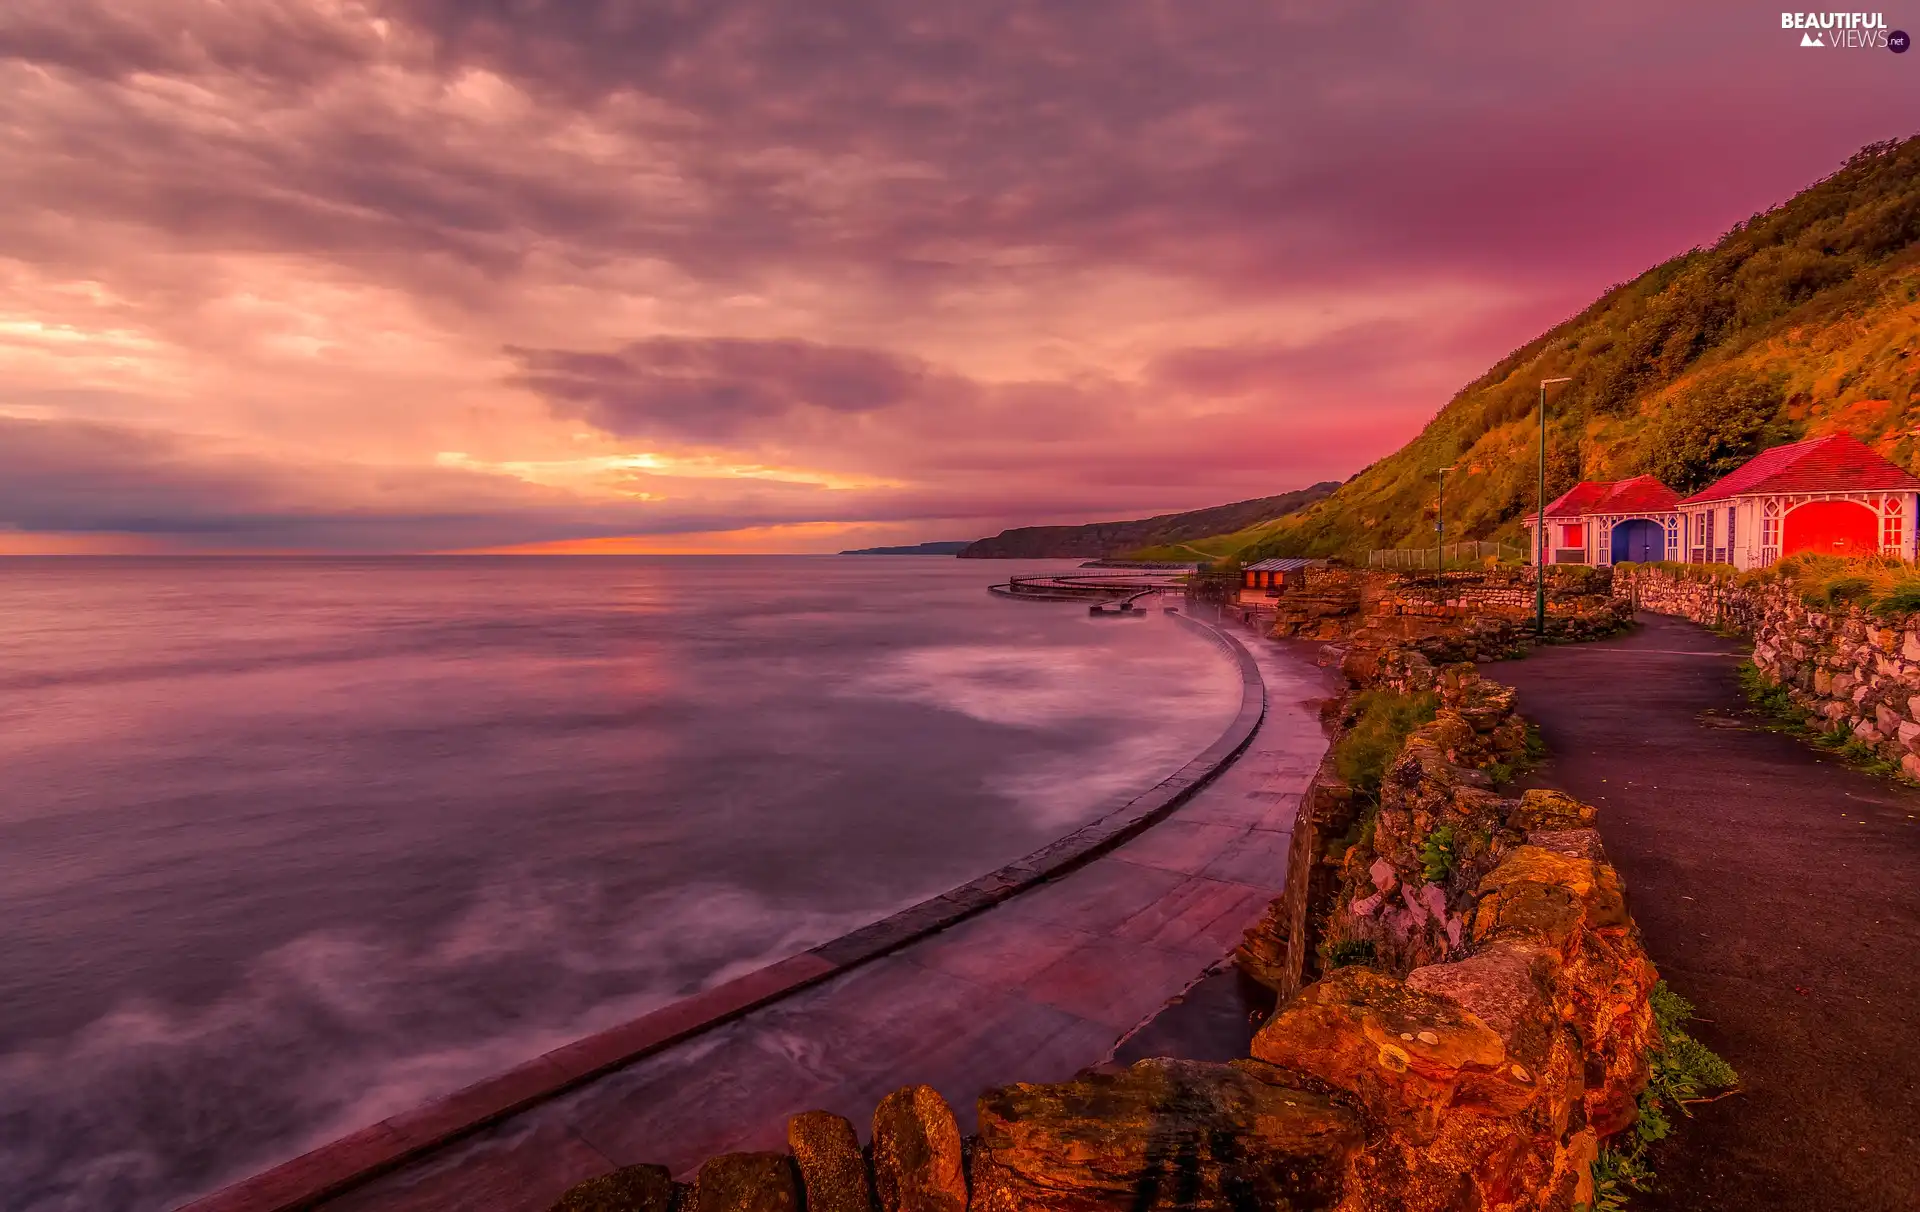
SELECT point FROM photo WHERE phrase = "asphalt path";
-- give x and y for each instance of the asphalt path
(1777, 890)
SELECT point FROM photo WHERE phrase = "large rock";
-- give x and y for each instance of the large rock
(832, 1168)
(1407, 1055)
(1161, 1134)
(1573, 910)
(1503, 987)
(746, 1182)
(1574, 843)
(916, 1153)
(1545, 893)
(1541, 808)
(1472, 1083)
(630, 1189)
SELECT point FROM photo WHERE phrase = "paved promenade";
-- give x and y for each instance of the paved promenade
(1779, 892)
(1032, 989)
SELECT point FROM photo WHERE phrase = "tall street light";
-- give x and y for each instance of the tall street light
(1440, 512)
(1540, 523)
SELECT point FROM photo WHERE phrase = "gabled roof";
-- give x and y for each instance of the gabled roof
(1641, 494)
(1579, 500)
(1837, 463)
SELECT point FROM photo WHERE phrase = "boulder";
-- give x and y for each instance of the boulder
(1548, 894)
(1887, 720)
(916, 1153)
(1162, 1134)
(630, 1189)
(746, 1182)
(1544, 809)
(1403, 1052)
(832, 1168)
(1574, 843)
(1607, 996)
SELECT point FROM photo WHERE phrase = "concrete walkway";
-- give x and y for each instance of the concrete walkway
(1031, 989)
(1779, 892)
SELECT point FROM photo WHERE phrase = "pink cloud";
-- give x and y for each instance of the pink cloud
(1009, 261)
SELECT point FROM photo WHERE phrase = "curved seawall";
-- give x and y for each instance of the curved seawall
(423, 1140)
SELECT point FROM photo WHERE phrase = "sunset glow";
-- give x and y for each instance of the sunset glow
(423, 276)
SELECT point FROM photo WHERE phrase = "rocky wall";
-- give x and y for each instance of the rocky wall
(1450, 616)
(1849, 669)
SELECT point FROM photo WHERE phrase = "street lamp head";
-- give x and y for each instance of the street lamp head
(1562, 379)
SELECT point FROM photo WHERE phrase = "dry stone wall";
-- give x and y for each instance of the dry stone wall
(1850, 669)
(1450, 616)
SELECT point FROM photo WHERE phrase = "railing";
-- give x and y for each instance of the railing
(1471, 552)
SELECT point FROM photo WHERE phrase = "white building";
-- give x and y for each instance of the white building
(1830, 496)
(1608, 521)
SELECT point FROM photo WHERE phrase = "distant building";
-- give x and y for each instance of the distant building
(1831, 496)
(1268, 577)
(1607, 521)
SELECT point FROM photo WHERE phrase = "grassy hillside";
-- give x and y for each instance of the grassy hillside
(1164, 537)
(1801, 321)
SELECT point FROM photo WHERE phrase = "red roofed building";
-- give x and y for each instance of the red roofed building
(1831, 496)
(1606, 521)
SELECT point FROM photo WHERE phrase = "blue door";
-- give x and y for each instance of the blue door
(1640, 541)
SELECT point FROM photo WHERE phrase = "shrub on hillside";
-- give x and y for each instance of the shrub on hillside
(1713, 429)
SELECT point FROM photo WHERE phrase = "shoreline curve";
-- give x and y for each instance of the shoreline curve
(349, 1161)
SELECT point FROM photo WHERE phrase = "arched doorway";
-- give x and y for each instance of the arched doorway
(1639, 540)
(1842, 528)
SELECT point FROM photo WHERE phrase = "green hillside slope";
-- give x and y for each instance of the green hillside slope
(1801, 321)
(1164, 537)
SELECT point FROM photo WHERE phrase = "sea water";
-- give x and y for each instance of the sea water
(288, 846)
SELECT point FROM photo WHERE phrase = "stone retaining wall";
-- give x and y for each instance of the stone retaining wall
(1450, 615)
(1850, 669)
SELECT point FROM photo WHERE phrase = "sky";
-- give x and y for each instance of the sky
(751, 275)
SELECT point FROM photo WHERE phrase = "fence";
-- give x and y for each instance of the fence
(1470, 553)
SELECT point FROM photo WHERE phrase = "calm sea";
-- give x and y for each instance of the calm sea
(287, 846)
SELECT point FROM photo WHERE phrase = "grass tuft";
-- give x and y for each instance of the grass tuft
(1382, 721)
(1684, 1071)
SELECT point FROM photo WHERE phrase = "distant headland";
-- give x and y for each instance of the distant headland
(945, 547)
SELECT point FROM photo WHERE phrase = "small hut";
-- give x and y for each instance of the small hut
(1831, 496)
(1268, 577)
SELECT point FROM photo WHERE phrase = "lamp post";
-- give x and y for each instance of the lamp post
(1440, 515)
(1540, 523)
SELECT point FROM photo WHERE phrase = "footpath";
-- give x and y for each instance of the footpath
(1777, 890)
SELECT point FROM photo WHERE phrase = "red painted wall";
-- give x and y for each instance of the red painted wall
(1831, 528)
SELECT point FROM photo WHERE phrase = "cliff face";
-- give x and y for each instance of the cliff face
(1097, 540)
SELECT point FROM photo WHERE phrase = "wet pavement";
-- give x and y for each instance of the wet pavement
(1777, 890)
